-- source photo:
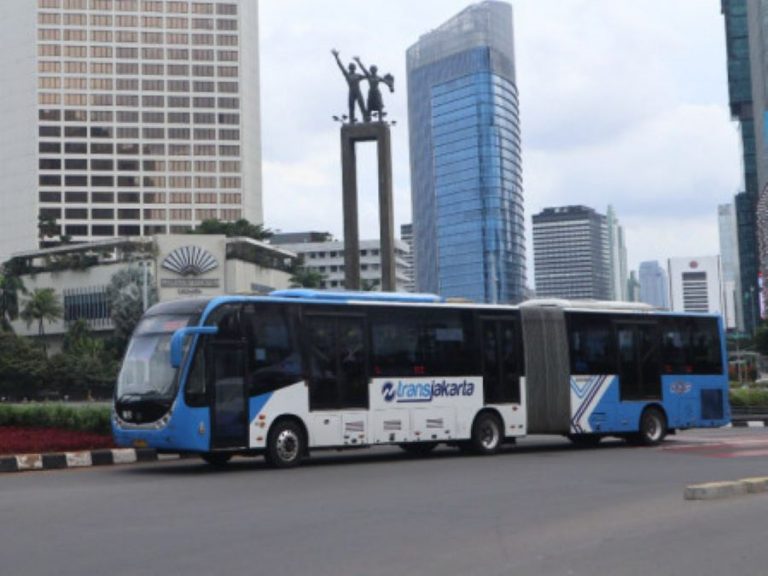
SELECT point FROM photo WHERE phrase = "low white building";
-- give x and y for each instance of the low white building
(173, 266)
(327, 258)
(695, 285)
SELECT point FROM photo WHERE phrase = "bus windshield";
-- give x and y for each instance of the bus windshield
(147, 371)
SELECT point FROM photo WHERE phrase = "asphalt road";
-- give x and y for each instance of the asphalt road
(541, 508)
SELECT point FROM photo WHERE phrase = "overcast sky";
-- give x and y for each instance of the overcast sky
(622, 102)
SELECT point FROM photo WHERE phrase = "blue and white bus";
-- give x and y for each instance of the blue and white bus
(302, 370)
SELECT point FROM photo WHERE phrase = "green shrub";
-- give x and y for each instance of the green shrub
(748, 397)
(80, 418)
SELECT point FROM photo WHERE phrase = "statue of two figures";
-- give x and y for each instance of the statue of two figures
(374, 104)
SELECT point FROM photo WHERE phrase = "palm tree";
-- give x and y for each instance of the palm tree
(41, 306)
(10, 286)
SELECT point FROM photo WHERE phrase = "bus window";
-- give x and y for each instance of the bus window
(691, 346)
(591, 344)
(422, 343)
(273, 359)
(337, 356)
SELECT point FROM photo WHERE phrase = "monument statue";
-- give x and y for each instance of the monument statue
(355, 97)
(375, 102)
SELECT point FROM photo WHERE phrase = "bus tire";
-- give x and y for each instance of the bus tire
(487, 434)
(216, 459)
(286, 444)
(418, 448)
(653, 427)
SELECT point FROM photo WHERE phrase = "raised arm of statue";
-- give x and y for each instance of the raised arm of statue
(362, 67)
(338, 61)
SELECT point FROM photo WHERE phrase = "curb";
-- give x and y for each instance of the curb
(59, 461)
(720, 490)
(748, 424)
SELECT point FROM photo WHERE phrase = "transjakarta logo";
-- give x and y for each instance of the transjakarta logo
(425, 391)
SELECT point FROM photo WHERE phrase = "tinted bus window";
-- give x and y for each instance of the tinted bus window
(691, 346)
(591, 344)
(422, 343)
(273, 356)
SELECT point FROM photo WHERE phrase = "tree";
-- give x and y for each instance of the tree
(22, 366)
(42, 306)
(761, 339)
(84, 368)
(10, 286)
(126, 299)
(241, 227)
(307, 278)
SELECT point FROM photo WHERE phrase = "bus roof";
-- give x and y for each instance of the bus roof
(353, 296)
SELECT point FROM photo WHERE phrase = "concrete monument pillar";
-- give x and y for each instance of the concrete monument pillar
(351, 134)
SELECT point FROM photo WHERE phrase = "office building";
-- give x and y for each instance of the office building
(618, 251)
(127, 117)
(695, 285)
(654, 285)
(571, 254)
(327, 258)
(466, 177)
(729, 264)
(406, 236)
(746, 34)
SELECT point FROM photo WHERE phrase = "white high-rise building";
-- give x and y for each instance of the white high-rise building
(127, 117)
(618, 250)
(694, 284)
(729, 257)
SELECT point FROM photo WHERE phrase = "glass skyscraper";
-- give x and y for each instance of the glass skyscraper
(746, 34)
(467, 195)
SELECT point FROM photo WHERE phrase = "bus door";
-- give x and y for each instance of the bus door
(502, 360)
(637, 343)
(338, 377)
(226, 378)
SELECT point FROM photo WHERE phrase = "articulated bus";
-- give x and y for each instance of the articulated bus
(302, 370)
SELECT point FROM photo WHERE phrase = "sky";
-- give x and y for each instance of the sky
(622, 102)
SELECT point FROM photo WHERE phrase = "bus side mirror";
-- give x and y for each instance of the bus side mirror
(177, 341)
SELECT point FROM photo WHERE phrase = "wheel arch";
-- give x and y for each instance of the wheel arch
(297, 420)
(493, 412)
(653, 406)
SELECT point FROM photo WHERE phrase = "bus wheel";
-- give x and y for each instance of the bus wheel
(418, 448)
(653, 427)
(584, 440)
(217, 459)
(486, 434)
(285, 445)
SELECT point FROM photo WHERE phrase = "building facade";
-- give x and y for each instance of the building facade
(654, 284)
(406, 236)
(170, 266)
(729, 264)
(746, 33)
(618, 251)
(571, 254)
(327, 258)
(695, 284)
(466, 175)
(127, 117)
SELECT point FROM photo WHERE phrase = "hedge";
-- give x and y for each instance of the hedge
(81, 418)
(748, 397)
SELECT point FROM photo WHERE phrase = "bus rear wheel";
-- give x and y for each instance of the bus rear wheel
(653, 428)
(285, 445)
(487, 434)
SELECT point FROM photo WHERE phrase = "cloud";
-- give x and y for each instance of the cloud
(620, 103)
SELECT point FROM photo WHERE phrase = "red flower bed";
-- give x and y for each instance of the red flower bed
(14, 440)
